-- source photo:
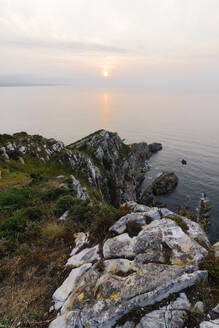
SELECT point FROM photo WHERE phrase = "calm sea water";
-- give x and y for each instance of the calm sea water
(186, 123)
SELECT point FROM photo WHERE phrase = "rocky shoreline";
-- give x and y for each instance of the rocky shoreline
(134, 262)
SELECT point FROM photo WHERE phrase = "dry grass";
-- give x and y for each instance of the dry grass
(27, 282)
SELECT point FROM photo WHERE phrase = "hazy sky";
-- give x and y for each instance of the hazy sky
(143, 41)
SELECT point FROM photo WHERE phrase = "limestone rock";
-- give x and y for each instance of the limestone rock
(151, 239)
(120, 226)
(62, 293)
(210, 324)
(216, 309)
(168, 316)
(81, 193)
(64, 216)
(133, 272)
(87, 255)
(199, 306)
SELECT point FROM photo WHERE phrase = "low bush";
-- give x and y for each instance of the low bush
(14, 226)
(33, 213)
(211, 264)
(14, 198)
(180, 223)
(63, 204)
(54, 194)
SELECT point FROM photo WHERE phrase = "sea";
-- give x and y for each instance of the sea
(185, 122)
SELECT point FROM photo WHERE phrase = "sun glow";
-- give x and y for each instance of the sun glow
(105, 73)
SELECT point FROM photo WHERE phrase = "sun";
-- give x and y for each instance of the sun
(106, 74)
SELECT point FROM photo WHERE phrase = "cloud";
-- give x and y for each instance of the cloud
(79, 47)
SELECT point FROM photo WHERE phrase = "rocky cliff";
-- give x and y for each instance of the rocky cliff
(101, 162)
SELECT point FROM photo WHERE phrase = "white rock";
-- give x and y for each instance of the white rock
(87, 255)
(22, 149)
(64, 216)
(10, 146)
(199, 306)
(120, 246)
(210, 324)
(82, 193)
(216, 309)
(120, 226)
(81, 238)
(62, 293)
(167, 316)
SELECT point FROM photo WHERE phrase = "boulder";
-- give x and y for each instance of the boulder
(165, 183)
(154, 147)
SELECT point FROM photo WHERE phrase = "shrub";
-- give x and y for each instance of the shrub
(36, 176)
(33, 213)
(180, 223)
(211, 264)
(20, 134)
(53, 194)
(14, 226)
(63, 204)
(14, 198)
(52, 231)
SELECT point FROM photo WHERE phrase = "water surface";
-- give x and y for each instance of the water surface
(186, 123)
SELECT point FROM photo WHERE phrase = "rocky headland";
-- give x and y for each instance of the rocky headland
(88, 247)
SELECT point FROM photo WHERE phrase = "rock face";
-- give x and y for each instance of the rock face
(110, 169)
(165, 183)
(120, 163)
(111, 279)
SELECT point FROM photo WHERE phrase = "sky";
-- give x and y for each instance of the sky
(141, 42)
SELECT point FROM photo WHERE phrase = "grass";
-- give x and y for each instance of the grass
(52, 231)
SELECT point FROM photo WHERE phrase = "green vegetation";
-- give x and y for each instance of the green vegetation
(52, 231)
(14, 198)
(179, 221)
(63, 204)
(211, 264)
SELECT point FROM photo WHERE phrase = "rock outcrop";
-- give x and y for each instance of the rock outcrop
(109, 280)
(110, 170)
